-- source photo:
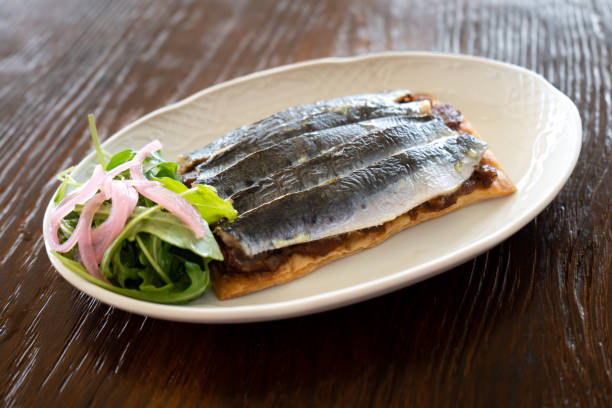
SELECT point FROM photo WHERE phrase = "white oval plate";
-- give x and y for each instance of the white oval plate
(532, 128)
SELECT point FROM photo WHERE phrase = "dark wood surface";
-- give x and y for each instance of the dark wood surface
(526, 324)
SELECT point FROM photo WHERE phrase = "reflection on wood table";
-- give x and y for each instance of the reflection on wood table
(526, 324)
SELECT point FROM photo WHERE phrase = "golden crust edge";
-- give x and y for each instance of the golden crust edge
(228, 286)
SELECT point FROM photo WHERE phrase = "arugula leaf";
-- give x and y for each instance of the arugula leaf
(67, 180)
(194, 282)
(153, 165)
(155, 257)
(125, 266)
(120, 158)
(151, 162)
(160, 267)
(170, 229)
(166, 227)
(102, 155)
(164, 169)
(61, 192)
(172, 184)
(150, 247)
(204, 198)
(209, 204)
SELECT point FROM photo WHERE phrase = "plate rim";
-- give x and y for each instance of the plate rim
(339, 297)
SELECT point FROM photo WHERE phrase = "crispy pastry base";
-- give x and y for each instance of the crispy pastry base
(228, 286)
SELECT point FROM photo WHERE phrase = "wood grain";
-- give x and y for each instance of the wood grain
(526, 324)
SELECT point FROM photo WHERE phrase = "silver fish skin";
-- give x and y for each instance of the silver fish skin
(342, 159)
(291, 152)
(365, 198)
(358, 112)
(188, 161)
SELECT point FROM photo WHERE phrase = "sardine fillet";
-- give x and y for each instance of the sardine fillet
(229, 285)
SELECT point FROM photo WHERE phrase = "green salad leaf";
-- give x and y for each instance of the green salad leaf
(204, 198)
(156, 252)
(165, 170)
(155, 257)
(102, 155)
(120, 158)
(170, 229)
(194, 282)
(67, 180)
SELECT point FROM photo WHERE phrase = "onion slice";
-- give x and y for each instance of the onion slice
(169, 200)
(178, 206)
(86, 248)
(136, 160)
(124, 198)
(66, 207)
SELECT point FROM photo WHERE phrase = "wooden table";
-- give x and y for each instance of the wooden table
(526, 324)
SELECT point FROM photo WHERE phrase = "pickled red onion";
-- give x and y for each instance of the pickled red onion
(169, 200)
(66, 207)
(178, 206)
(124, 198)
(136, 160)
(86, 247)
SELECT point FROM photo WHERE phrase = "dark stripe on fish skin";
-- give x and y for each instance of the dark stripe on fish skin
(257, 165)
(342, 160)
(331, 208)
(358, 112)
(262, 163)
(190, 160)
